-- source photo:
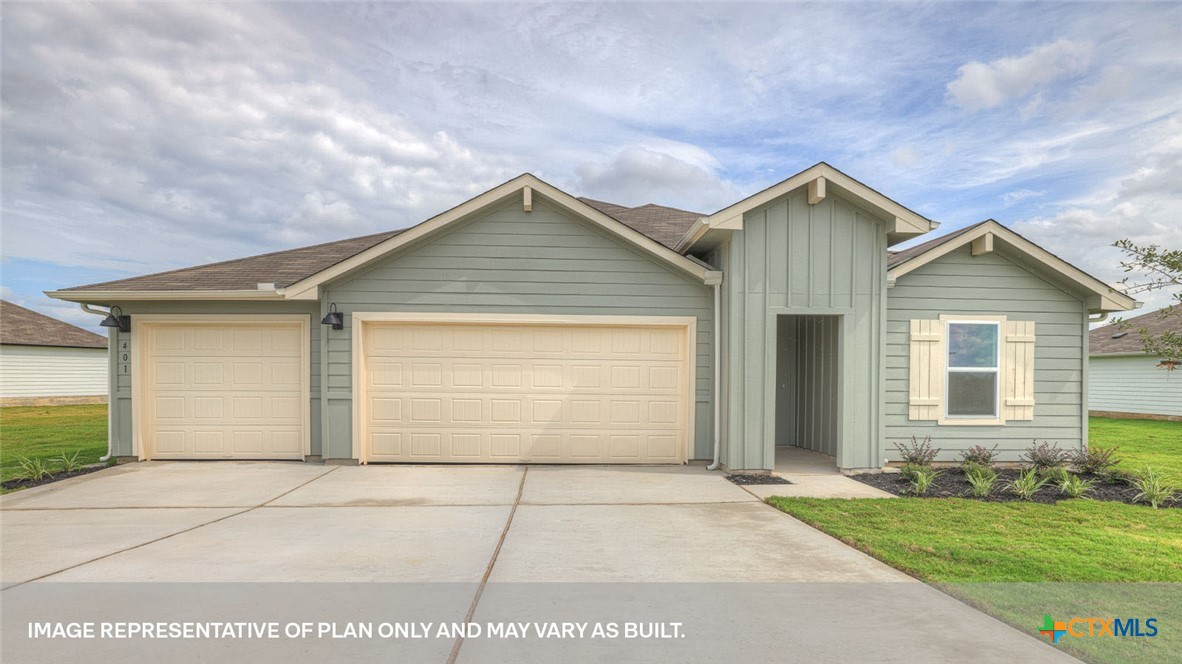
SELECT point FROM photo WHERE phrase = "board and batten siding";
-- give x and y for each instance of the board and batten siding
(1133, 384)
(792, 258)
(510, 261)
(52, 371)
(121, 376)
(959, 283)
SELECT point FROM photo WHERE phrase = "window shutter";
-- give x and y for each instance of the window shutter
(926, 378)
(1018, 371)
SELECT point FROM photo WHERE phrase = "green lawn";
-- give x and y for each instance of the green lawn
(1021, 561)
(1141, 443)
(48, 431)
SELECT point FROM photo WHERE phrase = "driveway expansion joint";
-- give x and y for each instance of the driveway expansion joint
(455, 650)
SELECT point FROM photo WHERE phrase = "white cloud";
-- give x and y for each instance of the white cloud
(980, 85)
(1011, 198)
(663, 172)
(1144, 206)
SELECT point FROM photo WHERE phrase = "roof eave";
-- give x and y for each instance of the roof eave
(308, 287)
(1102, 298)
(100, 297)
(903, 223)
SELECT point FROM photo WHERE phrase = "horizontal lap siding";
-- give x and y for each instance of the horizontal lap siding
(1133, 385)
(511, 261)
(43, 371)
(960, 283)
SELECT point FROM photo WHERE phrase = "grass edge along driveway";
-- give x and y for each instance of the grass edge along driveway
(1020, 561)
(46, 432)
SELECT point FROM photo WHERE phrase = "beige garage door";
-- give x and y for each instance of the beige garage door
(225, 391)
(473, 393)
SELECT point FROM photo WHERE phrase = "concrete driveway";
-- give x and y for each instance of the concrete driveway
(492, 527)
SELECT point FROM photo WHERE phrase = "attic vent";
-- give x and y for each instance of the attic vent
(1118, 335)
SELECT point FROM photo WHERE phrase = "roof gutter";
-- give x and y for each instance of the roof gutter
(110, 401)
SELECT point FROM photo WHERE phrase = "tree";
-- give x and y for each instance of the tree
(1159, 270)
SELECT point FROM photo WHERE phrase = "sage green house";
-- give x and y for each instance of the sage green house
(530, 326)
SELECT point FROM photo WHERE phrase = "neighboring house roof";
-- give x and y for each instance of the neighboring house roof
(982, 236)
(1122, 340)
(23, 327)
(296, 272)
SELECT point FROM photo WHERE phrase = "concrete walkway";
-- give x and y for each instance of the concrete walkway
(813, 475)
(493, 527)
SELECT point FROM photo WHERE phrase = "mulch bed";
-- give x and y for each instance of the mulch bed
(951, 483)
(757, 479)
(26, 483)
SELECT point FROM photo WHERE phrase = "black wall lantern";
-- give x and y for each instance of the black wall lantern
(334, 318)
(115, 318)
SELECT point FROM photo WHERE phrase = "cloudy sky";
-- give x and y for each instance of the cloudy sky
(138, 138)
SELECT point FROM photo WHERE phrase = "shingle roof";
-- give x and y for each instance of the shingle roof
(1113, 340)
(664, 224)
(899, 257)
(283, 268)
(23, 327)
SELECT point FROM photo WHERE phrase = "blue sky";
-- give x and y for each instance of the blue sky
(139, 138)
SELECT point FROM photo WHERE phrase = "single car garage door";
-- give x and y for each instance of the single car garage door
(224, 390)
(479, 392)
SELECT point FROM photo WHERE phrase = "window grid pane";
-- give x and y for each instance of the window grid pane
(973, 369)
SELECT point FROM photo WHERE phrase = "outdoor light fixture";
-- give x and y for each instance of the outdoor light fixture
(334, 318)
(115, 318)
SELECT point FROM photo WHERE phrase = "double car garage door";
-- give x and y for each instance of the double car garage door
(431, 391)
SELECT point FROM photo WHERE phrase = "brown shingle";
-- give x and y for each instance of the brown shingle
(899, 257)
(22, 327)
(283, 268)
(1113, 340)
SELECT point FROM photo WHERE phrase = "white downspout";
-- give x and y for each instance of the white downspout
(110, 398)
(717, 389)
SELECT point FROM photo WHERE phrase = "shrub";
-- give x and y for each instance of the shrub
(978, 454)
(1044, 455)
(1153, 489)
(1027, 484)
(922, 478)
(981, 481)
(69, 462)
(918, 453)
(908, 471)
(1056, 474)
(34, 469)
(1094, 460)
(1074, 486)
(970, 468)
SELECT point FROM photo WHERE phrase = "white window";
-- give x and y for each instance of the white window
(973, 382)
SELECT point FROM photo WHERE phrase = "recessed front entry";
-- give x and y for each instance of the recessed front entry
(529, 391)
(808, 383)
(222, 390)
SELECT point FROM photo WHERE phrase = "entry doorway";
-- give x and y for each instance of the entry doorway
(808, 388)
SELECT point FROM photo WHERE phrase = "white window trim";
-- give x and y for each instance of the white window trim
(972, 420)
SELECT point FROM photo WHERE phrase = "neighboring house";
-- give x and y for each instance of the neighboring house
(1123, 381)
(527, 325)
(45, 361)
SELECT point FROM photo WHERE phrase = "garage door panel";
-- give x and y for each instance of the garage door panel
(225, 391)
(503, 393)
